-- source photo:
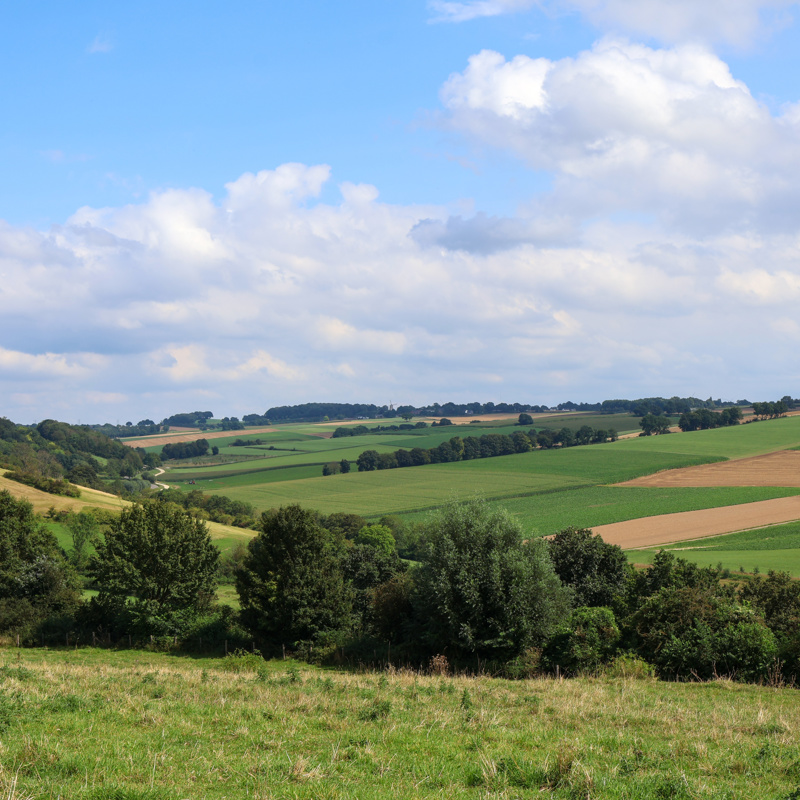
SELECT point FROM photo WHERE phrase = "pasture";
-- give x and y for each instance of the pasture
(104, 725)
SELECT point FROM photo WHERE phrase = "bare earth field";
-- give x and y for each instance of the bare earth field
(686, 525)
(774, 469)
(193, 436)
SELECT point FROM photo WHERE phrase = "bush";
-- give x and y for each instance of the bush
(586, 641)
(481, 590)
(290, 584)
(35, 581)
(57, 486)
(155, 570)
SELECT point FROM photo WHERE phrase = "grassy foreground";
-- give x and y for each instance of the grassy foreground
(136, 726)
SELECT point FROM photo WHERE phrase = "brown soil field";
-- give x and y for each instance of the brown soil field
(774, 469)
(193, 436)
(686, 525)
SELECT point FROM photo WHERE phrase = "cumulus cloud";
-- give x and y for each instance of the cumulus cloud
(269, 296)
(736, 22)
(628, 127)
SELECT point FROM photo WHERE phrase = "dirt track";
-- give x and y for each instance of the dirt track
(774, 469)
(685, 525)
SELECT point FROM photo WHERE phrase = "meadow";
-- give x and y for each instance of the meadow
(119, 725)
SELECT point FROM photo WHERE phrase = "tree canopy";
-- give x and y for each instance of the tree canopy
(482, 589)
(155, 568)
(291, 586)
(35, 581)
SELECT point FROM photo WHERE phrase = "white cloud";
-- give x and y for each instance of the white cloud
(628, 127)
(733, 21)
(473, 9)
(736, 22)
(48, 365)
(136, 310)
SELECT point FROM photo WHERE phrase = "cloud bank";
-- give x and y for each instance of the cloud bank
(269, 296)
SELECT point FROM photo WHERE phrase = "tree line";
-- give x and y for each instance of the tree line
(362, 430)
(772, 410)
(480, 594)
(488, 445)
(179, 450)
(703, 419)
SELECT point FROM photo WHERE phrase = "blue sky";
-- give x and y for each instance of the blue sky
(238, 207)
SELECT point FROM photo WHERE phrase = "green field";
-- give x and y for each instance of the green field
(774, 548)
(91, 724)
(546, 490)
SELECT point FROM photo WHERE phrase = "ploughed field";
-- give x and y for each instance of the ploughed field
(773, 469)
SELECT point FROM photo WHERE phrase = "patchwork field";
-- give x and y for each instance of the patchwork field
(638, 492)
(687, 525)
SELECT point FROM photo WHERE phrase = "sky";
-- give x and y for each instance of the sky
(229, 207)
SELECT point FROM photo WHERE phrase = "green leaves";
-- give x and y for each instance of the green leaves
(159, 562)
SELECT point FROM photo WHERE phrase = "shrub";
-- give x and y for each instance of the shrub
(481, 589)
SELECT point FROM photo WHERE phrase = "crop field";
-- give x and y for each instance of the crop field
(545, 514)
(737, 441)
(545, 490)
(101, 725)
(774, 548)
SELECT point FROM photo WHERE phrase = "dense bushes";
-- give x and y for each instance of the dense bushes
(185, 449)
(214, 507)
(478, 593)
(36, 584)
(51, 485)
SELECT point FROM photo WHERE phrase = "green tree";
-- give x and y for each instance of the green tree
(85, 531)
(587, 639)
(654, 425)
(368, 461)
(481, 589)
(35, 581)
(525, 419)
(291, 586)
(378, 536)
(595, 570)
(155, 569)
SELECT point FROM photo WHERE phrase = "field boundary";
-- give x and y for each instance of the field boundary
(683, 526)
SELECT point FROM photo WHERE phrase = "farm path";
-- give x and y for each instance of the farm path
(685, 525)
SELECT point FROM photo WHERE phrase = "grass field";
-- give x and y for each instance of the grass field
(774, 548)
(105, 725)
(545, 490)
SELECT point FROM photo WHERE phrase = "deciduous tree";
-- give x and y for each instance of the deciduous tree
(155, 569)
